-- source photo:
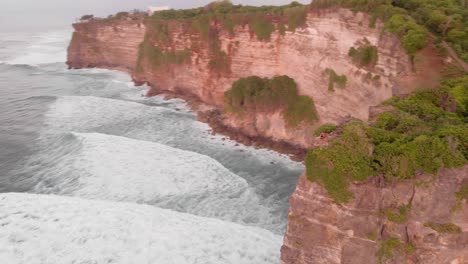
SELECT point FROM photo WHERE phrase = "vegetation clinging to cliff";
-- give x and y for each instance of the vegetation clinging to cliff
(158, 58)
(325, 128)
(425, 132)
(260, 19)
(364, 54)
(447, 19)
(208, 22)
(255, 94)
(335, 79)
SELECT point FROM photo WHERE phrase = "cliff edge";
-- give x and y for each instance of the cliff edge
(322, 43)
(346, 67)
(431, 227)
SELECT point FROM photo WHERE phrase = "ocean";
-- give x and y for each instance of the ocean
(89, 139)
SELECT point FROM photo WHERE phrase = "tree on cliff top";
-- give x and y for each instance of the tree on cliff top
(86, 17)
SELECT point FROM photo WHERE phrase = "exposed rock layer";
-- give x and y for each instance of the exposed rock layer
(304, 55)
(320, 231)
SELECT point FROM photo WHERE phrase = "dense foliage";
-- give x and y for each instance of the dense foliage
(364, 54)
(425, 132)
(86, 17)
(255, 94)
(261, 19)
(205, 25)
(335, 79)
(325, 128)
(447, 19)
(158, 58)
(462, 194)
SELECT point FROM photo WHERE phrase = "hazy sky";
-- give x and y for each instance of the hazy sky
(30, 14)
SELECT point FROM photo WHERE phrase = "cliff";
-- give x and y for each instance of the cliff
(413, 221)
(365, 231)
(322, 43)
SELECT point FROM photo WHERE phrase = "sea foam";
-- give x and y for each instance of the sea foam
(53, 229)
(114, 168)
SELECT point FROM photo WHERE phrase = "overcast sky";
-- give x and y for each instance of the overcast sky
(30, 14)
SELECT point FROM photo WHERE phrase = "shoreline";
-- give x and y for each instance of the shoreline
(211, 116)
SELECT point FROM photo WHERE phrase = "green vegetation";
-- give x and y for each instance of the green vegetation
(296, 16)
(86, 17)
(255, 94)
(349, 158)
(262, 28)
(448, 228)
(365, 54)
(121, 15)
(397, 215)
(388, 248)
(205, 25)
(373, 235)
(391, 246)
(334, 78)
(425, 132)
(460, 197)
(260, 19)
(157, 57)
(447, 19)
(463, 193)
(325, 128)
(413, 37)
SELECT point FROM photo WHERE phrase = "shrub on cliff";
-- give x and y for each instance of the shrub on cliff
(365, 54)
(262, 27)
(347, 159)
(408, 19)
(157, 58)
(86, 17)
(413, 37)
(335, 79)
(425, 132)
(257, 94)
(325, 128)
(208, 23)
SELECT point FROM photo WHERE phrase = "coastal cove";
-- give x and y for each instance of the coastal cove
(328, 132)
(91, 134)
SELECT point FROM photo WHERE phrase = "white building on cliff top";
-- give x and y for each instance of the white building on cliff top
(152, 9)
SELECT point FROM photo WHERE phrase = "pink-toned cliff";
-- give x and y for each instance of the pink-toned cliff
(319, 231)
(304, 55)
(323, 232)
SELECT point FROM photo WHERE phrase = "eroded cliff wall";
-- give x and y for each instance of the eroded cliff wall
(319, 230)
(371, 228)
(304, 55)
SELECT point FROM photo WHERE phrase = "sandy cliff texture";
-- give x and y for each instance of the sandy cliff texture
(322, 43)
(320, 231)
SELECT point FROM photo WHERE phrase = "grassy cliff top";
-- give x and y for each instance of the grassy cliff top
(424, 132)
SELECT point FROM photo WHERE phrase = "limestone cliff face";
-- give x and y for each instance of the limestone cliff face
(304, 55)
(106, 44)
(320, 231)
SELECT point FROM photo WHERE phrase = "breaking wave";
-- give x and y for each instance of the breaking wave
(53, 229)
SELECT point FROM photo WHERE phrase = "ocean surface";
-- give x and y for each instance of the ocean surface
(89, 140)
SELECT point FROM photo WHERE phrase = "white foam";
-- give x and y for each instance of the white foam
(83, 113)
(105, 167)
(121, 169)
(52, 229)
(124, 118)
(48, 48)
(169, 127)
